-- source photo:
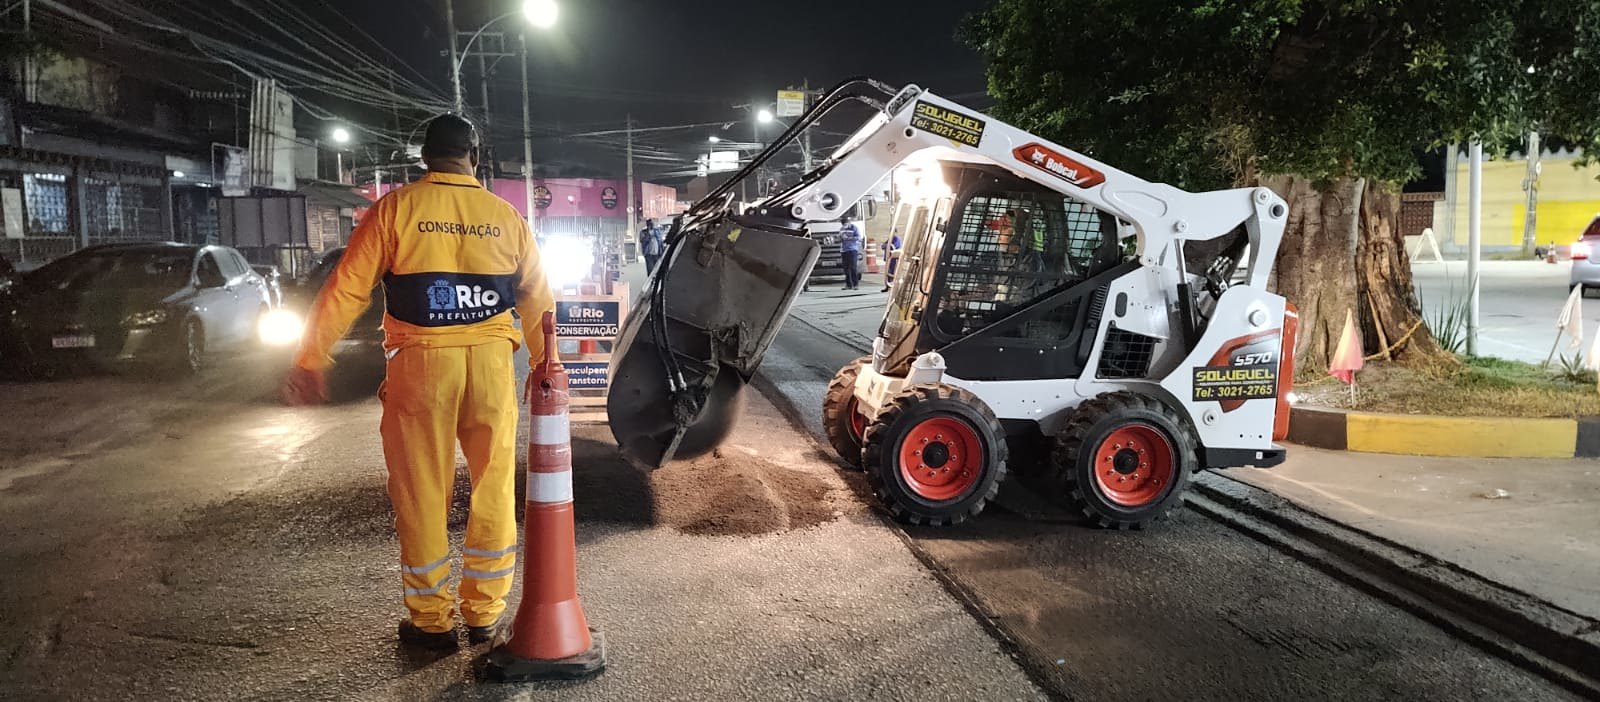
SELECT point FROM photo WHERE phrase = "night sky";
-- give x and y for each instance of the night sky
(680, 62)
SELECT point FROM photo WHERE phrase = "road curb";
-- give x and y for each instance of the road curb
(1556, 643)
(1432, 435)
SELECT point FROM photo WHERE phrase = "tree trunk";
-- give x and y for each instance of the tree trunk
(1390, 312)
(1340, 254)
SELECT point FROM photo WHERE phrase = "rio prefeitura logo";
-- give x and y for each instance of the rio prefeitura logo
(461, 303)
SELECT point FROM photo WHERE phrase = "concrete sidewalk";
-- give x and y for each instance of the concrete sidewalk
(1543, 537)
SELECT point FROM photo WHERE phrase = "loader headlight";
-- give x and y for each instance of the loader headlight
(280, 328)
(147, 318)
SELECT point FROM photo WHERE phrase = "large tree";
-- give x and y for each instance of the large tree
(1328, 102)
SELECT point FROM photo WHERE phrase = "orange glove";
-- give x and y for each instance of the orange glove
(303, 386)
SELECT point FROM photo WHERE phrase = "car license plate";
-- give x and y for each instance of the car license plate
(76, 341)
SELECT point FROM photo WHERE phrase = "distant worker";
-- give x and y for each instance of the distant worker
(891, 254)
(454, 261)
(650, 245)
(850, 254)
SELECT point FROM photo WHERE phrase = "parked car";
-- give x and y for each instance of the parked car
(367, 331)
(164, 303)
(1585, 268)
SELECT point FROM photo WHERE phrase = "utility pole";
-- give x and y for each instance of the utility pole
(455, 74)
(28, 92)
(1474, 240)
(487, 147)
(527, 133)
(805, 134)
(1530, 185)
(633, 211)
(1452, 163)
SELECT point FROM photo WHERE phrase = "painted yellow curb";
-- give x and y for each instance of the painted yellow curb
(1487, 437)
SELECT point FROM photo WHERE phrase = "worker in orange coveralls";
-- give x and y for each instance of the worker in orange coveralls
(454, 261)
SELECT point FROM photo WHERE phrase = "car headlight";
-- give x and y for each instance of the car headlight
(280, 327)
(567, 261)
(147, 318)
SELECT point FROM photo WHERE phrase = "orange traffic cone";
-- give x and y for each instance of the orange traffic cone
(872, 256)
(550, 637)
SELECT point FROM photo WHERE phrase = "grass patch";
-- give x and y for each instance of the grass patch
(1514, 255)
(1485, 387)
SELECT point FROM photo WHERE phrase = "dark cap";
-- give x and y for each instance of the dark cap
(449, 136)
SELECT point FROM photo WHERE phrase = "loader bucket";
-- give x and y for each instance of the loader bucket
(697, 335)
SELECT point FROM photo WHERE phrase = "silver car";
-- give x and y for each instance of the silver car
(167, 304)
(1585, 267)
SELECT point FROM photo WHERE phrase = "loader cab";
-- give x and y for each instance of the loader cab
(1002, 276)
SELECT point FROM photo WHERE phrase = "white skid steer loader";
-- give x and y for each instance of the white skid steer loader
(1046, 305)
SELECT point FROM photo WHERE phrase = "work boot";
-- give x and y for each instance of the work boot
(412, 635)
(477, 635)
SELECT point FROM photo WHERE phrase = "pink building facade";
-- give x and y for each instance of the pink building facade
(577, 205)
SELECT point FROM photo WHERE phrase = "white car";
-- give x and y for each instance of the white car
(1585, 268)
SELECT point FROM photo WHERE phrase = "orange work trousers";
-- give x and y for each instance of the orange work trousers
(434, 397)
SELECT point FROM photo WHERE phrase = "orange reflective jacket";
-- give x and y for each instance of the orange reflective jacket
(454, 260)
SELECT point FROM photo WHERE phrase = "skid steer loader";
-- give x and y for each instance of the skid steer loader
(1047, 306)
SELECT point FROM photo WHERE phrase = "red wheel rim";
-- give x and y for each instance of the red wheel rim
(941, 458)
(858, 421)
(1134, 465)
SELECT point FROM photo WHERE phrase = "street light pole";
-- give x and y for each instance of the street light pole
(1474, 239)
(539, 13)
(755, 131)
(455, 65)
(633, 215)
(527, 133)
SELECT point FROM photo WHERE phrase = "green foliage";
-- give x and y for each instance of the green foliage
(1448, 324)
(1206, 93)
(1572, 370)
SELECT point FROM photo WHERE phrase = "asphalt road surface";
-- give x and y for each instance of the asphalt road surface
(1189, 610)
(1519, 302)
(194, 540)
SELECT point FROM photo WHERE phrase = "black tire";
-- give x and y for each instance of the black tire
(840, 420)
(1155, 435)
(936, 409)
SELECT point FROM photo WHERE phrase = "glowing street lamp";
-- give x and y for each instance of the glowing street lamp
(341, 136)
(764, 116)
(541, 13)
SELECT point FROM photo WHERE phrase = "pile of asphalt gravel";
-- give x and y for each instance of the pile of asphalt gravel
(731, 493)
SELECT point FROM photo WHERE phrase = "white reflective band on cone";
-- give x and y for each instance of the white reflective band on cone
(550, 488)
(550, 430)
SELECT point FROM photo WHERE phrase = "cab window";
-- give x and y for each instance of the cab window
(1012, 248)
(209, 273)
